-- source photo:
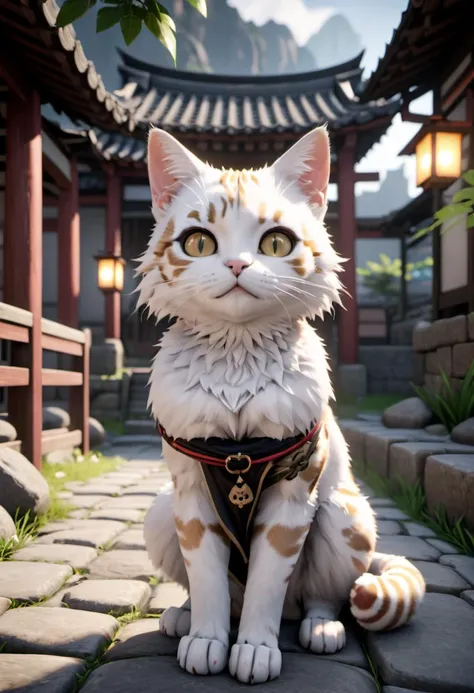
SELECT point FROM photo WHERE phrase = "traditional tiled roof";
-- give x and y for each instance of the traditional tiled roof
(429, 32)
(55, 63)
(185, 102)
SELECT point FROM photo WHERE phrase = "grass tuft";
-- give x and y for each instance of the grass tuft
(412, 501)
(348, 407)
(26, 530)
(81, 468)
(451, 407)
(373, 669)
(125, 619)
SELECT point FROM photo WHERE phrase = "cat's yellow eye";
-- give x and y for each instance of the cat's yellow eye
(276, 244)
(199, 244)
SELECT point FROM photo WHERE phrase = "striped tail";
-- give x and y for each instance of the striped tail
(388, 596)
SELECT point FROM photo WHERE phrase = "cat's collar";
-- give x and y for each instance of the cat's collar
(238, 456)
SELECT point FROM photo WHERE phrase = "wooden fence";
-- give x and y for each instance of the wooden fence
(25, 377)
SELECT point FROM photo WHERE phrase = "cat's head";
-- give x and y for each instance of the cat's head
(239, 246)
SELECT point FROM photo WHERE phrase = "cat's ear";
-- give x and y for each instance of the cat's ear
(169, 165)
(308, 162)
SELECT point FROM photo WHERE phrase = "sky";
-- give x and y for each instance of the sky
(374, 21)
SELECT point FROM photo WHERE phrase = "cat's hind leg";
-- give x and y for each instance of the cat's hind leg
(338, 550)
(162, 544)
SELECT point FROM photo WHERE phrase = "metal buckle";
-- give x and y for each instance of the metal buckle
(238, 457)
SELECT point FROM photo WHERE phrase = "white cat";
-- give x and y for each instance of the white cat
(242, 259)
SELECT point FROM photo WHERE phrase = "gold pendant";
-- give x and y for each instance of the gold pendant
(241, 495)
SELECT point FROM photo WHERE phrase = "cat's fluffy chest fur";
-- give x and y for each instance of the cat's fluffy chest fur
(235, 381)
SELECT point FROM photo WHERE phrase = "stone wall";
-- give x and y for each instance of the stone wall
(391, 369)
(108, 397)
(446, 344)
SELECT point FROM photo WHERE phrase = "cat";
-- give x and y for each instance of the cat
(242, 260)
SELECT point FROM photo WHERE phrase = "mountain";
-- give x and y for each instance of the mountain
(392, 195)
(335, 43)
(223, 43)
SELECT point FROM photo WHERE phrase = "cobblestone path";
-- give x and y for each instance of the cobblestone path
(80, 570)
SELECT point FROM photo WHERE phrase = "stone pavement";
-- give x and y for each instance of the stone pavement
(89, 604)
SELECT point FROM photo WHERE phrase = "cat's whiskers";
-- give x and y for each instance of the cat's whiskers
(296, 297)
(286, 309)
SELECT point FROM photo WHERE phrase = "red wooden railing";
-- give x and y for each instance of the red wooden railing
(16, 328)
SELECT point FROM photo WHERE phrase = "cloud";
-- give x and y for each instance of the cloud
(302, 21)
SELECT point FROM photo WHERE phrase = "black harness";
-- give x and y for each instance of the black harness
(236, 472)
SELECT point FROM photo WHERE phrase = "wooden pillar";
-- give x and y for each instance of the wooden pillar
(23, 255)
(403, 281)
(348, 321)
(69, 252)
(113, 244)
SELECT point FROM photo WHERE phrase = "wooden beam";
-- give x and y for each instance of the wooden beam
(23, 260)
(79, 397)
(55, 162)
(61, 441)
(348, 322)
(84, 200)
(14, 333)
(113, 244)
(12, 78)
(61, 346)
(60, 378)
(13, 376)
(69, 252)
(366, 177)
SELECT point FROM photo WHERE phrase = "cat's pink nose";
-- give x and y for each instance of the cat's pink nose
(237, 266)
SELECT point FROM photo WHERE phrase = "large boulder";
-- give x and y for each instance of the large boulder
(7, 526)
(96, 434)
(409, 413)
(464, 432)
(7, 432)
(22, 487)
(55, 417)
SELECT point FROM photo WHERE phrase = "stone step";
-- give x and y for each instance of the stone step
(138, 412)
(139, 426)
(137, 439)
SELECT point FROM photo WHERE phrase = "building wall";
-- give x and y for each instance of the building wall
(91, 299)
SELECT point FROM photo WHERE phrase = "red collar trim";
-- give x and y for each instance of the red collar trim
(221, 462)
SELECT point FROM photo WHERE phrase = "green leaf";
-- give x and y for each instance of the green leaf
(470, 221)
(131, 26)
(166, 17)
(468, 176)
(70, 11)
(466, 194)
(447, 212)
(108, 17)
(200, 6)
(163, 32)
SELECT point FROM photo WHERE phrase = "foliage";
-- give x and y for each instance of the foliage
(25, 530)
(412, 501)
(131, 15)
(450, 407)
(462, 203)
(80, 468)
(348, 407)
(382, 278)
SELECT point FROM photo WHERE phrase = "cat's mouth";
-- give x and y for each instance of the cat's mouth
(237, 288)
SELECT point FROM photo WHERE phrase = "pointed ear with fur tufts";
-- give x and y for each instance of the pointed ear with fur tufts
(169, 164)
(309, 163)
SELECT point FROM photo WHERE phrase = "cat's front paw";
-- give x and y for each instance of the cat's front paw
(202, 655)
(322, 636)
(254, 664)
(175, 622)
